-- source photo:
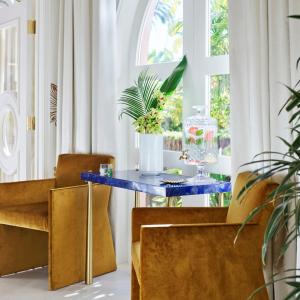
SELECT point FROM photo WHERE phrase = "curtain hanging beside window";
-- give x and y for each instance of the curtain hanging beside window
(77, 53)
(263, 51)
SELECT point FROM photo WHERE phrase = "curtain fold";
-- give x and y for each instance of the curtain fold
(104, 76)
(107, 132)
(263, 47)
(82, 76)
(84, 71)
(74, 77)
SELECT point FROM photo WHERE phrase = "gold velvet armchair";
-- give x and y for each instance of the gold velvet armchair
(43, 222)
(188, 253)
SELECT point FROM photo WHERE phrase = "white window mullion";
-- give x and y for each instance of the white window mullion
(193, 85)
(163, 70)
(215, 65)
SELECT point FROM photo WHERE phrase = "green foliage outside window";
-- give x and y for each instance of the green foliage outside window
(220, 84)
(220, 109)
(219, 41)
(165, 14)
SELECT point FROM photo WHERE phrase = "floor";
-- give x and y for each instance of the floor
(33, 285)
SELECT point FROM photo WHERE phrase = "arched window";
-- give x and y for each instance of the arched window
(198, 29)
(161, 37)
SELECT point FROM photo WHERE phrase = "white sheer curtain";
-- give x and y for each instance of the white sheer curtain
(74, 77)
(264, 45)
(82, 62)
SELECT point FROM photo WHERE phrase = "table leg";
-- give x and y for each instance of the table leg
(169, 202)
(221, 199)
(89, 235)
(136, 199)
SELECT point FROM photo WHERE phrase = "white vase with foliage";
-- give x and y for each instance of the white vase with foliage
(144, 102)
(151, 153)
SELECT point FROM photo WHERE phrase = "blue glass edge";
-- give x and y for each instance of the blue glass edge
(125, 184)
(159, 190)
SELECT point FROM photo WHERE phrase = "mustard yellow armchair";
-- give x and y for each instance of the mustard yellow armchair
(43, 222)
(189, 253)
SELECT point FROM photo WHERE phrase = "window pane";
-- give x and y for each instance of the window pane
(173, 121)
(219, 42)
(161, 39)
(9, 58)
(220, 110)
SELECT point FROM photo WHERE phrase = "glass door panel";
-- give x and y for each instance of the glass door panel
(9, 58)
(14, 76)
(9, 95)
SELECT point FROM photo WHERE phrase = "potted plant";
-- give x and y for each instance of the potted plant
(144, 102)
(286, 214)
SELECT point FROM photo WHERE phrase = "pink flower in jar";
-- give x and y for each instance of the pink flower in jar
(193, 130)
(208, 136)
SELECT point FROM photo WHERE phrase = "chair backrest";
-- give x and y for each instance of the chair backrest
(239, 209)
(69, 167)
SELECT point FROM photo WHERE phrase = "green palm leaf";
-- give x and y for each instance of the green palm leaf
(140, 98)
(171, 83)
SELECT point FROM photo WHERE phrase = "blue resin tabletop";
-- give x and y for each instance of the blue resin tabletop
(133, 180)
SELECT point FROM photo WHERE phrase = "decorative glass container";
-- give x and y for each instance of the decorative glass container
(200, 142)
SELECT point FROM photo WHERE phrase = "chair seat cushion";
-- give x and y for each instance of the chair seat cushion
(32, 216)
(136, 259)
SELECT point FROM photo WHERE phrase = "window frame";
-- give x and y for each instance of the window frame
(196, 26)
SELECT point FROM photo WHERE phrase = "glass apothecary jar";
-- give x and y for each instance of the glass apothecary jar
(200, 142)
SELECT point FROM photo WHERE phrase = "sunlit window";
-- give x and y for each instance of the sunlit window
(173, 122)
(161, 36)
(218, 33)
(199, 30)
(220, 110)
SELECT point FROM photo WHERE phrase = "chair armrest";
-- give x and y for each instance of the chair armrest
(67, 225)
(67, 231)
(25, 192)
(224, 233)
(175, 215)
(204, 257)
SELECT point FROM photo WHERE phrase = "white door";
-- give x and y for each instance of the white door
(13, 90)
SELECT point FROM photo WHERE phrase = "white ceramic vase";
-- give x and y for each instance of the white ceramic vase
(151, 154)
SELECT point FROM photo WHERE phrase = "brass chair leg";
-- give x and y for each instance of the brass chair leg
(136, 199)
(89, 234)
(169, 201)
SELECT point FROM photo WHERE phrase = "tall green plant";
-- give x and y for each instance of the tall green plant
(144, 102)
(286, 214)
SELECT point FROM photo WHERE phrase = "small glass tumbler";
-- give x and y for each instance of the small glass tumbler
(105, 170)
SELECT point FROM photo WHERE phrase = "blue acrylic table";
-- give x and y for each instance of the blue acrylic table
(133, 180)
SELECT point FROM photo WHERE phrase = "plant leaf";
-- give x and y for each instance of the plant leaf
(294, 16)
(293, 293)
(171, 83)
(140, 98)
(272, 228)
